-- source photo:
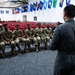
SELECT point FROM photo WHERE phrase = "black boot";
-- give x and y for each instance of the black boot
(37, 50)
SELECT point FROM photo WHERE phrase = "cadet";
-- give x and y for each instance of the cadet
(18, 36)
(2, 44)
(8, 38)
(38, 34)
(47, 34)
(30, 37)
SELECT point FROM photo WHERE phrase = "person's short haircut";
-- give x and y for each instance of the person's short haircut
(0, 25)
(70, 10)
(17, 25)
(39, 24)
(4, 24)
(28, 24)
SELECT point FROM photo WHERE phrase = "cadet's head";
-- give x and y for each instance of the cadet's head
(28, 26)
(47, 25)
(57, 24)
(17, 26)
(69, 12)
(5, 26)
(39, 25)
(0, 26)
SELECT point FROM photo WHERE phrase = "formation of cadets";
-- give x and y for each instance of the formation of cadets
(29, 36)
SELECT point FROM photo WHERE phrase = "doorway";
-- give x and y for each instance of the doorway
(24, 18)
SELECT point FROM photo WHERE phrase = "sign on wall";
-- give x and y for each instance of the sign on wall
(35, 18)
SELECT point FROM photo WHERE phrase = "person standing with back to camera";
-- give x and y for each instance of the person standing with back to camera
(64, 42)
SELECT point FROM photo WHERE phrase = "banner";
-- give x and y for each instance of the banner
(17, 10)
(34, 6)
(50, 4)
(14, 11)
(41, 5)
(23, 9)
(68, 2)
(31, 7)
(45, 4)
(37, 6)
(26, 8)
(61, 3)
(55, 3)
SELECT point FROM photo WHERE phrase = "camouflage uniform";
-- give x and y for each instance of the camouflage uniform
(47, 33)
(2, 44)
(18, 36)
(38, 34)
(30, 37)
(7, 37)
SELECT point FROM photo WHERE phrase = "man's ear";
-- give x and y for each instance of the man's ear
(65, 14)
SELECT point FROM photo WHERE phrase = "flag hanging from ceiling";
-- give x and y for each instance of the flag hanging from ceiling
(49, 3)
(61, 3)
(45, 4)
(24, 8)
(34, 6)
(31, 7)
(55, 3)
(14, 11)
(41, 5)
(18, 10)
(37, 6)
(68, 2)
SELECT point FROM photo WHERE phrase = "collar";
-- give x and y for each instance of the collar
(71, 19)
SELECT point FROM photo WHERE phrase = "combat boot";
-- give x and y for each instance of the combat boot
(37, 49)
(13, 52)
(3, 55)
(46, 47)
(28, 50)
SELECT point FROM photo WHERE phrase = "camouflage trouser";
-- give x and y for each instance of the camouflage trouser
(17, 41)
(36, 40)
(12, 45)
(2, 45)
(45, 38)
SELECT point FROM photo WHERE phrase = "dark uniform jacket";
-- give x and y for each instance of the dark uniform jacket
(64, 42)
